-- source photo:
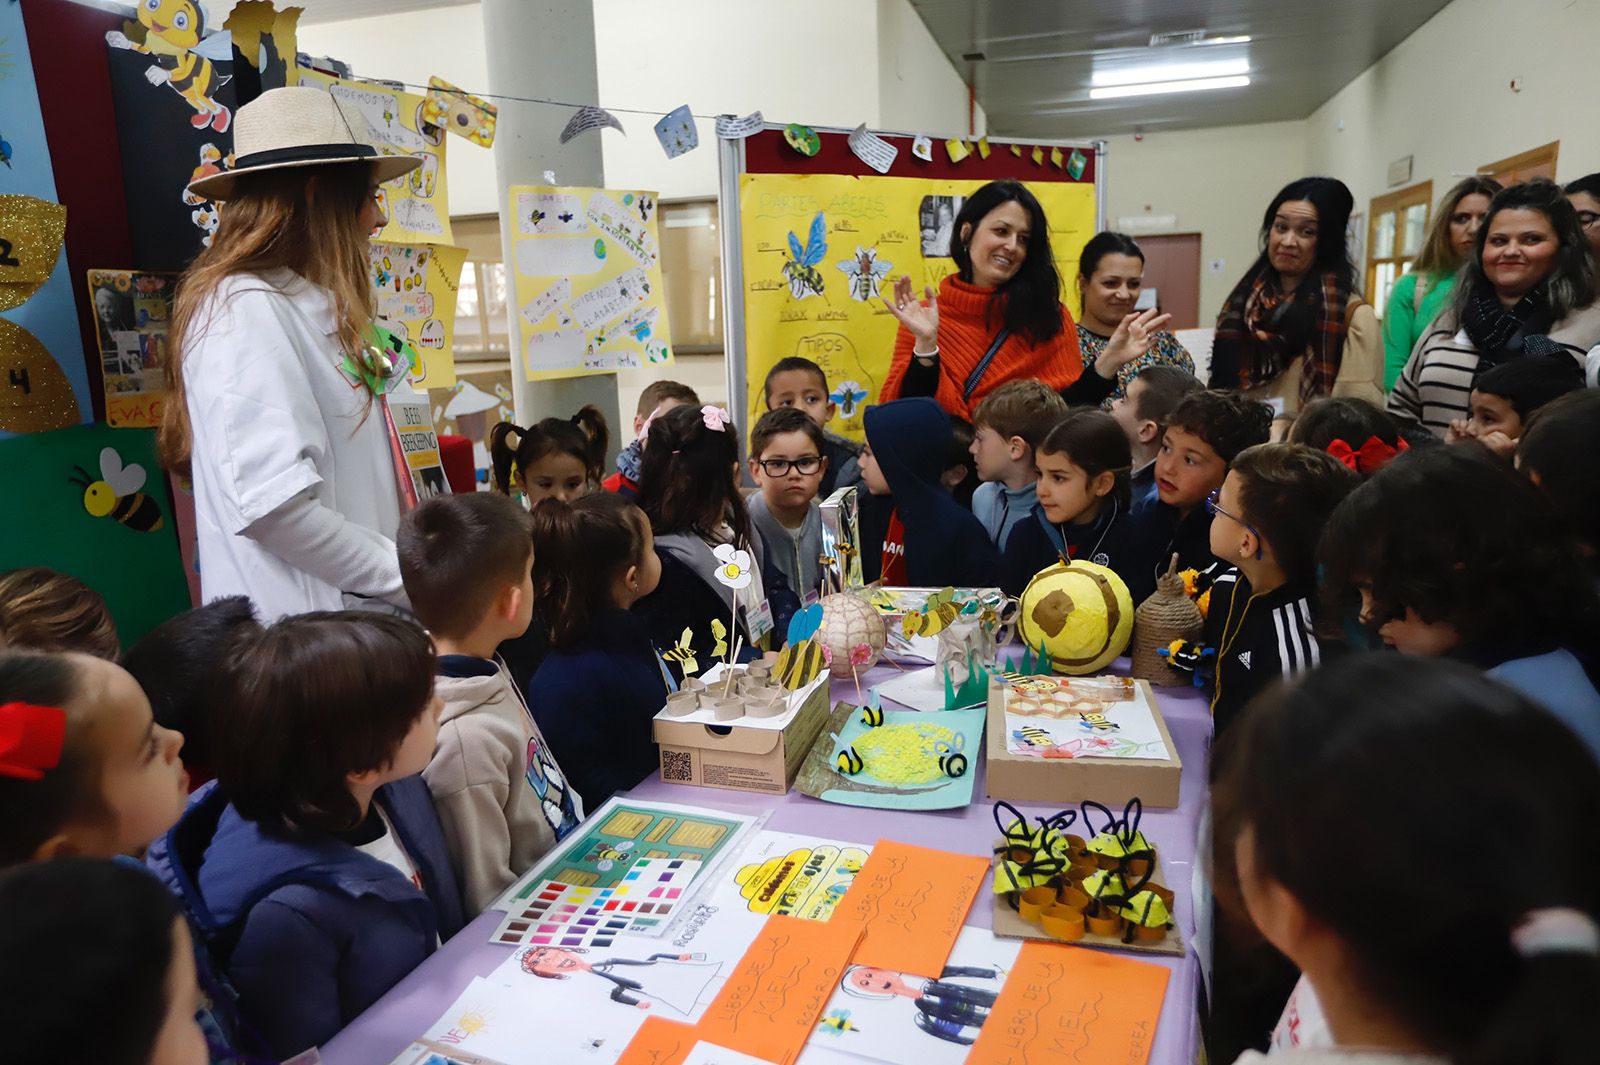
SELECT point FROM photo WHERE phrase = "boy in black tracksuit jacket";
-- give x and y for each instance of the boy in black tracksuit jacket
(1270, 510)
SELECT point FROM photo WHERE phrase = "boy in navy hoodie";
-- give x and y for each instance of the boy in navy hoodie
(1267, 517)
(912, 532)
(314, 866)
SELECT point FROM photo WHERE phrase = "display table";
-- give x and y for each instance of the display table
(412, 1005)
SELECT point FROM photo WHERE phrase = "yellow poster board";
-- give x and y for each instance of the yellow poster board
(418, 205)
(586, 270)
(824, 303)
(415, 286)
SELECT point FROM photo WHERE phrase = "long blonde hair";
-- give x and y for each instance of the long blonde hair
(272, 223)
(1438, 255)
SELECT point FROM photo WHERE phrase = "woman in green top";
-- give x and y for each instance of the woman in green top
(1110, 275)
(1422, 292)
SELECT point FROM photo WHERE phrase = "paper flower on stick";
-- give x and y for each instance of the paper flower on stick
(733, 565)
(716, 419)
(862, 654)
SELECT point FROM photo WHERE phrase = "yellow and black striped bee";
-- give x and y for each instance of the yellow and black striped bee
(952, 763)
(838, 1021)
(117, 493)
(1034, 737)
(683, 654)
(798, 664)
(872, 716)
(936, 614)
(849, 762)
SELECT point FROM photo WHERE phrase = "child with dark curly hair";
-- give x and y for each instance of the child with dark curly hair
(1204, 433)
(1448, 552)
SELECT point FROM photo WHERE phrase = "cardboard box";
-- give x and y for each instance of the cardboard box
(741, 758)
(1064, 781)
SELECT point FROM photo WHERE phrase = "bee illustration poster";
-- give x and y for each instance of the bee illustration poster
(131, 312)
(820, 250)
(416, 287)
(175, 123)
(97, 508)
(418, 204)
(587, 281)
(44, 382)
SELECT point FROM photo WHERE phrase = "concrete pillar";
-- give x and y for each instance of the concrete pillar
(545, 49)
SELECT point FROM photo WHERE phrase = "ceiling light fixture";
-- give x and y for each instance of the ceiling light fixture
(1113, 92)
(1148, 73)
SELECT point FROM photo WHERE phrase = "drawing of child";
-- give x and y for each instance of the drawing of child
(677, 984)
(945, 1010)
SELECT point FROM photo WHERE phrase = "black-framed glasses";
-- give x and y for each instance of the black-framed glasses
(1213, 508)
(806, 464)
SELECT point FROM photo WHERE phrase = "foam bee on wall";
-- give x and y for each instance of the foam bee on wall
(117, 493)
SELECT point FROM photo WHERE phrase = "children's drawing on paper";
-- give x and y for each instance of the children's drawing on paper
(866, 273)
(1081, 717)
(673, 983)
(848, 395)
(172, 33)
(890, 1016)
(800, 270)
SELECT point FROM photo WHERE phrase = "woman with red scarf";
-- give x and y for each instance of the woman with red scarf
(999, 318)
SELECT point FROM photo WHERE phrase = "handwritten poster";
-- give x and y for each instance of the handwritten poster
(771, 1001)
(131, 312)
(913, 901)
(418, 204)
(416, 287)
(821, 250)
(1067, 1006)
(586, 267)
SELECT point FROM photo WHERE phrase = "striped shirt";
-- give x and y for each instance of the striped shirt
(1259, 639)
(1436, 385)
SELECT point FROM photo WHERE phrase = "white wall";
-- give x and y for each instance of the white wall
(1217, 181)
(1443, 96)
(919, 90)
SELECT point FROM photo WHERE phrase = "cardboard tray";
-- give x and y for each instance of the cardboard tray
(1009, 923)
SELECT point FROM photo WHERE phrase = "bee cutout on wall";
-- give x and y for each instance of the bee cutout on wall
(866, 273)
(801, 271)
(117, 493)
(849, 396)
(173, 33)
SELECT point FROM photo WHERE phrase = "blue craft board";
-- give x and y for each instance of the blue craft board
(49, 314)
(952, 793)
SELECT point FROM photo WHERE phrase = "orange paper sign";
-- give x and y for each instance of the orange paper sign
(913, 901)
(1071, 1006)
(773, 999)
(660, 1042)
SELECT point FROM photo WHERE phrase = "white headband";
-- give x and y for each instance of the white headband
(1558, 930)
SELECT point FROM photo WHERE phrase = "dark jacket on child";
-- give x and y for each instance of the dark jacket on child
(844, 465)
(594, 703)
(1037, 543)
(1156, 533)
(1258, 640)
(944, 543)
(689, 597)
(310, 930)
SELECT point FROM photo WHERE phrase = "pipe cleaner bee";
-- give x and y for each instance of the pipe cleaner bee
(849, 762)
(872, 716)
(952, 763)
(117, 493)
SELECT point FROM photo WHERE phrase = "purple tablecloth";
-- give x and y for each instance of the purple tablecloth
(385, 1029)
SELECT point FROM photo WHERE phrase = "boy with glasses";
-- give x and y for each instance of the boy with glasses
(788, 461)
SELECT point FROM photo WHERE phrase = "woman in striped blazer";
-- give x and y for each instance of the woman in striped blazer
(1527, 291)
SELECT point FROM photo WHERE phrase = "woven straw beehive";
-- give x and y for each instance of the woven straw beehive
(1167, 615)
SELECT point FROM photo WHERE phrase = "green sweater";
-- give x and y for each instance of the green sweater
(1403, 324)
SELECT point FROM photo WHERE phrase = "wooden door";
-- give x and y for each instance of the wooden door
(1536, 162)
(1172, 269)
(1398, 226)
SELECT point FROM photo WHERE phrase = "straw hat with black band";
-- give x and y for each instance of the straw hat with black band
(295, 127)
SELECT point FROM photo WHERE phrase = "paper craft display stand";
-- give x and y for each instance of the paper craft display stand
(799, 288)
(1008, 921)
(614, 840)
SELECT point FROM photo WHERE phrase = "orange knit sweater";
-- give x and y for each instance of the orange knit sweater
(965, 333)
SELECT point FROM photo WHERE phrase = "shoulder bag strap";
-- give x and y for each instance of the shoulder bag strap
(971, 383)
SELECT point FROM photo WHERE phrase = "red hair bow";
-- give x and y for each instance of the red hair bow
(1370, 457)
(30, 739)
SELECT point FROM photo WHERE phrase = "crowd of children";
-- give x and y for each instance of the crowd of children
(364, 784)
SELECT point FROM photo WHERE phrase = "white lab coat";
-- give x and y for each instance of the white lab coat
(296, 503)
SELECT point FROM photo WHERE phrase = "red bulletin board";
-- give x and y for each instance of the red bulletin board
(766, 152)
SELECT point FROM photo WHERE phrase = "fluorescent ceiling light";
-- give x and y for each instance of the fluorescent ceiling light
(1243, 38)
(1112, 92)
(1144, 75)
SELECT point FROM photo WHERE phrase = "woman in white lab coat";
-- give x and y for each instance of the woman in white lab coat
(276, 391)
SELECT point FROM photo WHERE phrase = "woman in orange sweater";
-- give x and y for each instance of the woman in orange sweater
(999, 318)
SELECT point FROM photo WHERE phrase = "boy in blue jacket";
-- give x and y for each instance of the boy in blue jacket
(912, 532)
(314, 866)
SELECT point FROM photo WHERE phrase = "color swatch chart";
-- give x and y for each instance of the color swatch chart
(559, 914)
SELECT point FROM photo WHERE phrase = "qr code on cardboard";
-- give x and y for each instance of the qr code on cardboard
(677, 765)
